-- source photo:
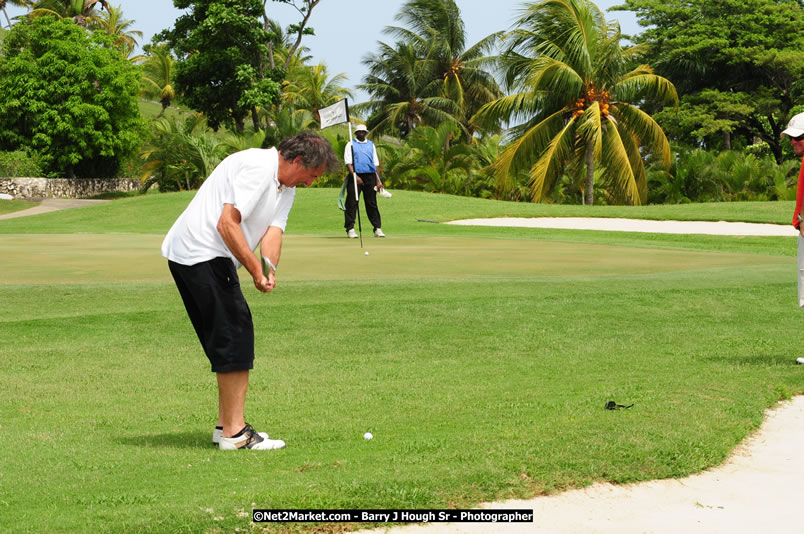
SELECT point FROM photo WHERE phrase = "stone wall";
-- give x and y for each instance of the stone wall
(66, 187)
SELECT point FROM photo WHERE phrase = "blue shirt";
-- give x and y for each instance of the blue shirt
(364, 157)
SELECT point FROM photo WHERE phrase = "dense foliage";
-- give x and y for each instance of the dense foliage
(558, 110)
(19, 164)
(69, 96)
(739, 67)
(221, 47)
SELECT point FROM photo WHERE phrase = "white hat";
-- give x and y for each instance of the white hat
(362, 127)
(795, 127)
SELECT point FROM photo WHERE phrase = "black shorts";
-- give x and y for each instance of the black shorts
(219, 312)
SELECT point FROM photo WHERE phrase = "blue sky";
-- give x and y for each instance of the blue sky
(346, 30)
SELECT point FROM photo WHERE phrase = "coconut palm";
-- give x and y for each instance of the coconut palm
(286, 122)
(20, 3)
(435, 28)
(398, 81)
(112, 22)
(433, 163)
(180, 155)
(158, 75)
(83, 12)
(310, 88)
(572, 87)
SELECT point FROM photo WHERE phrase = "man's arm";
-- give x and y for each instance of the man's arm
(235, 241)
(799, 200)
(377, 165)
(271, 248)
(353, 173)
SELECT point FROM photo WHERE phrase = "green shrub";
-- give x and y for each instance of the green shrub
(19, 164)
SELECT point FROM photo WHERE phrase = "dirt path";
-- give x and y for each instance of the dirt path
(52, 204)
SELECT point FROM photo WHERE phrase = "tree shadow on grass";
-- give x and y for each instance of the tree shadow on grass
(171, 440)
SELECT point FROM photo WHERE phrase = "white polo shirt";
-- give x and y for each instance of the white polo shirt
(249, 181)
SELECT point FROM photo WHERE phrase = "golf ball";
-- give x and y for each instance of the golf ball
(366, 253)
(367, 435)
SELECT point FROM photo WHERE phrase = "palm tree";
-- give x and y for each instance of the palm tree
(158, 74)
(180, 155)
(398, 81)
(20, 3)
(113, 23)
(286, 122)
(83, 12)
(435, 28)
(433, 163)
(574, 91)
(310, 88)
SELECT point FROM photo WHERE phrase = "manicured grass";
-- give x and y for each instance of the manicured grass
(315, 212)
(481, 360)
(10, 206)
(150, 109)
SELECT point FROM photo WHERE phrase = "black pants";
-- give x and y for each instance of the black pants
(369, 199)
(219, 312)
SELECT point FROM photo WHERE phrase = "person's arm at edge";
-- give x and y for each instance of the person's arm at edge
(229, 229)
(799, 199)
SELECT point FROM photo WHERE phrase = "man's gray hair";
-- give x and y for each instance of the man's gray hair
(314, 150)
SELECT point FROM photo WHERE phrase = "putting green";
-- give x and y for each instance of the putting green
(100, 258)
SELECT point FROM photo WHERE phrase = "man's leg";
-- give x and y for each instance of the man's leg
(800, 271)
(370, 200)
(232, 388)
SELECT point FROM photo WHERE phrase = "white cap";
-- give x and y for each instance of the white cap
(795, 127)
(362, 127)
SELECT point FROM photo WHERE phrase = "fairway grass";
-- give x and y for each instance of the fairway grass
(480, 360)
(74, 258)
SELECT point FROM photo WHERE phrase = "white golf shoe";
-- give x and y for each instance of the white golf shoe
(378, 233)
(800, 361)
(249, 439)
(351, 234)
(217, 434)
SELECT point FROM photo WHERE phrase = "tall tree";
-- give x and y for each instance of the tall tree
(69, 96)
(157, 77)
(310, 88)
(112, 22)
(399, 82)
(739, 66)
(20, 3)
(436, 30)
(220, 48)
(576, 95)
(305, 9)
(82, 12)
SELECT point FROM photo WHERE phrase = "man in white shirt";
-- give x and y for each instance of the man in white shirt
(244, 202)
